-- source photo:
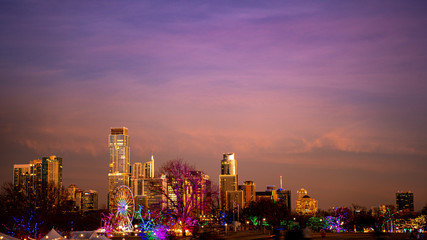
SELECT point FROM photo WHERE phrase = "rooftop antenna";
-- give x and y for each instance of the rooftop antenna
(281, 182)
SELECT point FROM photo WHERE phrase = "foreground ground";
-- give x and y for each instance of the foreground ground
(248, 235)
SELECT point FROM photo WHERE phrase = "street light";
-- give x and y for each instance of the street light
(263, 221)
(226, 229)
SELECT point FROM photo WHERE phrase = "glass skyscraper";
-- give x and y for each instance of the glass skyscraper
(228, 179)
(119, 168)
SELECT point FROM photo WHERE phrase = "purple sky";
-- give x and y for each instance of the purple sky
(329, 94)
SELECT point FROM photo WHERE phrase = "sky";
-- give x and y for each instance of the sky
(331, 95)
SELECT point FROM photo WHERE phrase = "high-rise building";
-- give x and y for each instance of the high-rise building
(305, 205)
(234, 200)
(89, 201)
(405, 202)
(36, 176)
(22, 176)
(228, 180)
(71, 192)
(52, 176)
(137, 170)
(228, 164)
(40, 177)
(149, 168)
(119, 168)
(52, 171)
(285, 196)
(248, 189)
(143, 182)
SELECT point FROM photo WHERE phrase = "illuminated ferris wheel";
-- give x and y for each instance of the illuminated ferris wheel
(122, 205)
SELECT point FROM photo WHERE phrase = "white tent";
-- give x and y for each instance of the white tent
(88, 235)
(81, 235)
(53, 235)
(100, 237)
(7, 237)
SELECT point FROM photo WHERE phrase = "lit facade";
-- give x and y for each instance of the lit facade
(301, 193)
(52, 172)
(149, 168)
(228, 180)
(228, 164)
(193, 194)
(89, 201)
(405, 202)
(305, 205)
(137, 170)
(248, 189)
(36, 176)
(22, 176)
(119, 167)
(234, 200)
(142, 182)
(40, 177)
(71, 192)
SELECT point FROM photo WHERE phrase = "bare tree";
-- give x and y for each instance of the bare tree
(186, 193)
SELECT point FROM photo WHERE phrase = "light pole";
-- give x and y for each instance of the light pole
(226, 229)
(263, 221)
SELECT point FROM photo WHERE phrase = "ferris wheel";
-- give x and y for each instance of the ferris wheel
(122, 205)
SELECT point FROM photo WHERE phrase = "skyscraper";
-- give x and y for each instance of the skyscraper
(405, 202)
(149, 168)
(228, 164)
(228, 180)
(22, 176)
(36, 176)
(143, 182)
(40, 176)
(89, 200)
(248, 189)
(119, 168)
(52, 171)
(52, 175)
(137, 170)
(284, 195)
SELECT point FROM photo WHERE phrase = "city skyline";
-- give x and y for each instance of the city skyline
(330, 95)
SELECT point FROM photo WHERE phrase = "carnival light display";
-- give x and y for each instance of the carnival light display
(122, 205)
(26, 226)
(334, 224)
(388, 219)
(150, 224)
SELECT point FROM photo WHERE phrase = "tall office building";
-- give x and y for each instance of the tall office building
(36, 176)
(284, 196)
(405, 202)
(228, 180)
(52, 176)
(149, 168)
(40, 176)
(119, 168)
(228, 164)
(89, 201)
(52, 171)
(142, 183)
(22, 176)
(137, 170)
(248, 189)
